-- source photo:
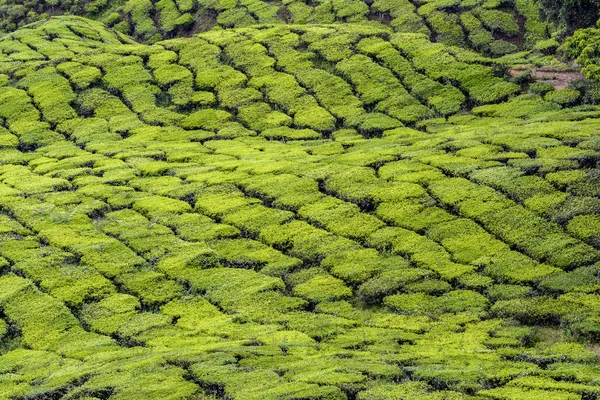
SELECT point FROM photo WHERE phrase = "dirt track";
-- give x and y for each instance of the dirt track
(560, 80)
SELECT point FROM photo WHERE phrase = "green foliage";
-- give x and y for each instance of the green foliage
(563, 97)
(582, 46)
(585, 227)
(206, 119)
(424, 304)
(322, 288)
(497, 20)
(571, 15)
(177, 18)
(541, 88)
(243, 214)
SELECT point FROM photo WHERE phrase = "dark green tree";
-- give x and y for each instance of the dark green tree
(571, 14)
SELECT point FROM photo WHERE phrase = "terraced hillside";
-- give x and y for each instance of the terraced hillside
(292, 211)
(493, 27)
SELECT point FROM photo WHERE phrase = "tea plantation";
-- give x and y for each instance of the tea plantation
(324, 200)
(491, 26)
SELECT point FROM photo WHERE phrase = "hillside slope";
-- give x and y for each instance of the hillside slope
(491, 27)
(290, 212)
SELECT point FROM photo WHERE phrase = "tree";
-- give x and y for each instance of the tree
(571, 15)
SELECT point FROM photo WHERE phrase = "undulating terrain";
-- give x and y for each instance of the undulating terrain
(321, 200)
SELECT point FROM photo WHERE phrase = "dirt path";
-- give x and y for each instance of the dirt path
(558, 79)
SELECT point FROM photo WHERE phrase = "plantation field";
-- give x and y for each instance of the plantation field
(326, 206)
(493, 27)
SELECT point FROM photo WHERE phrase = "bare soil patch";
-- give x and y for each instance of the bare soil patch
(558, 79)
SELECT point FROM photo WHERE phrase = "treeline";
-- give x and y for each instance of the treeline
(571, 14)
